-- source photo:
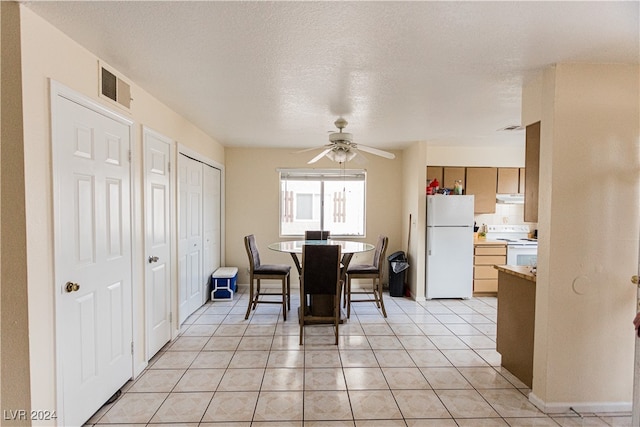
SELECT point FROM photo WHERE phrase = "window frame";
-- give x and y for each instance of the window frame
(321, 176)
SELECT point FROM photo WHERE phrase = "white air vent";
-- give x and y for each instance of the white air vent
(114, 88)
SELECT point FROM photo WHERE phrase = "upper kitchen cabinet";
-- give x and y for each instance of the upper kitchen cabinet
(435, 172)
(521, 187)
(452, 174)
(532, 165)
(482, 183)
(508, 180)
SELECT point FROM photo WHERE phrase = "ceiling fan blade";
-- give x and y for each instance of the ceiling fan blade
(377, 152)
(309, 149)
(360, 158)
(319, 156)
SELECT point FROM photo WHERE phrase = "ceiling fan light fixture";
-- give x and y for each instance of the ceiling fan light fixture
(339, 156)
(341, 147)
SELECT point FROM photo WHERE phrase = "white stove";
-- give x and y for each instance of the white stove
(521, 250)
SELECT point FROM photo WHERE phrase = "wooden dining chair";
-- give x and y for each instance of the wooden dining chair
(316, 235)
(259, 271)
(373, 271)
(320, 277)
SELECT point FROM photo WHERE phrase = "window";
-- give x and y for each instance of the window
(328, 199)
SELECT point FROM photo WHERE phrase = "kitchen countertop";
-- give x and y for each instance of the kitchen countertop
(489, 242)
(521, 271)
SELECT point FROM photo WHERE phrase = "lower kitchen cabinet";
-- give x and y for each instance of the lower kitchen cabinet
(485, 256)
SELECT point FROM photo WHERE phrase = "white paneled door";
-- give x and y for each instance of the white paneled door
(91, 149)
(157, 199)
(190, 236)
(211, 221)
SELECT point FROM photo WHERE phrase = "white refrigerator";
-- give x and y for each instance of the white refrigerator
(449, 254)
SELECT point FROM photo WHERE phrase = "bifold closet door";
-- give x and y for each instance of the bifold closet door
(190, 237)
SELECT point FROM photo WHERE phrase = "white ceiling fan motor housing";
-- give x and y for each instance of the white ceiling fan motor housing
(340, 137)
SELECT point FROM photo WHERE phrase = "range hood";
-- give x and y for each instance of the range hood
(513, 199)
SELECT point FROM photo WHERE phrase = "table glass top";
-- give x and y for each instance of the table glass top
(295, 246)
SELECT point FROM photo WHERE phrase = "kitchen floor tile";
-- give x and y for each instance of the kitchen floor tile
(283, 379)
(420, 404)
(445, 379)
(365, 379)
(428, 364)
(222, 343)
(464, 358)
(249, 359)
(394, 358)
(322, 359)
(212, 360)
(279, 406)
(510, 403)
(286, 359)
(188, 343)
(428, 358)
(405, 378)
(327, 406)
(384, 342)
(416, 342)
(241, 380)
(324, 379)
(358, 358)
(354, 342)
(485, 378)
(200, 380)
(175, 360)
(157, 380)
(134, 408)
(374, 404)
(231, 406)
(182, 408)
(466, 404)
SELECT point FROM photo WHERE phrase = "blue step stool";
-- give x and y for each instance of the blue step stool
(224, 283)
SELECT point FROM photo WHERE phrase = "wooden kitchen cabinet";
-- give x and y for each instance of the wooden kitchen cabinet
(482, 183)
(436, 172)
(485, 276)
(532, 164)
(508, 180)
(521, 187)
(452, 174)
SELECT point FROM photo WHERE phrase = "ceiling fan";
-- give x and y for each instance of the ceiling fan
(341, 147)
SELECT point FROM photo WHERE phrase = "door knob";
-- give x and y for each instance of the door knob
(71, 287)
(153, 259)
(635, 280)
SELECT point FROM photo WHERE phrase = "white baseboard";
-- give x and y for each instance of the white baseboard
(579, 407)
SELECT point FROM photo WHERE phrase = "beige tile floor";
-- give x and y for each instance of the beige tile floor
(429, 363)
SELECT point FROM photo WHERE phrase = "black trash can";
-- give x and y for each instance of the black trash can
(397, 269)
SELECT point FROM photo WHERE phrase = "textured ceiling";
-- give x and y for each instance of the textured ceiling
(279, 73)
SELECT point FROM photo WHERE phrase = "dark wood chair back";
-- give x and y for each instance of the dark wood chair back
(316, 235)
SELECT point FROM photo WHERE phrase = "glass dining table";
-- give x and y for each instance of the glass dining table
(321, 304)
(347, 248)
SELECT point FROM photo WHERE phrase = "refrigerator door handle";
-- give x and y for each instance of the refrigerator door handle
(429, 233)
(430, 211)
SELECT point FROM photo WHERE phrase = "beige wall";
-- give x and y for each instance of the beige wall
(49, 54)
(252, 199)
(14, 339)
(589, 225)
(414, 204)
(489, 156)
